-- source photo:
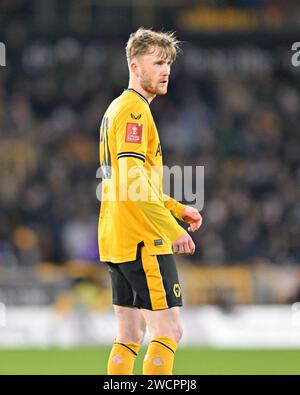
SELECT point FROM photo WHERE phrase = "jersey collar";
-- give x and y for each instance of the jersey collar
(141, 96)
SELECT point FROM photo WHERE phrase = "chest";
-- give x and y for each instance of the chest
(154, 152)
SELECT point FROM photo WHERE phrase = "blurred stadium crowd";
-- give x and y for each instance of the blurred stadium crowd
(235, 112)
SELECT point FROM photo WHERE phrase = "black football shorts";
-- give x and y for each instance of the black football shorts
(149, 282)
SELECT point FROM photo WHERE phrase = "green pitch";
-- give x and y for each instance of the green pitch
(92, 360)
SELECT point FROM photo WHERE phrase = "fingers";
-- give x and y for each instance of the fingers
(184, 245)
(192, 246)
(195, 215)
(195, 221)
(186, 248)
(183, 249)
(194, 226)
(179, 249)
(175, 248)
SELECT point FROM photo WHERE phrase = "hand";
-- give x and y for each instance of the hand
(192, 216)
(184, 245)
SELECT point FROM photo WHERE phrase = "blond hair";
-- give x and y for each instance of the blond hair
(145, 41)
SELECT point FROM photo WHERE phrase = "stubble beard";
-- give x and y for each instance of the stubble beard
(151, 88)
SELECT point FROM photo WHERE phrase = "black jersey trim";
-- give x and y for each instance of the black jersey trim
(132, 154)
(138, 93)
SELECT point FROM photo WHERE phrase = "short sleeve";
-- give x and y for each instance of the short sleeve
(132, 133)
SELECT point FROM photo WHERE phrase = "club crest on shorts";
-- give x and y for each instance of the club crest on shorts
(177, 290)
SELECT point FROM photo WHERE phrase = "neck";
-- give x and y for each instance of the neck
(137, 87)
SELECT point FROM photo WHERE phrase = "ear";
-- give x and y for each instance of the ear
(134, 68)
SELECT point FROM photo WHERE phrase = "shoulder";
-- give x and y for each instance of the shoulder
(128, 108)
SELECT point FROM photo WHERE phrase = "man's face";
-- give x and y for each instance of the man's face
(153, 72)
